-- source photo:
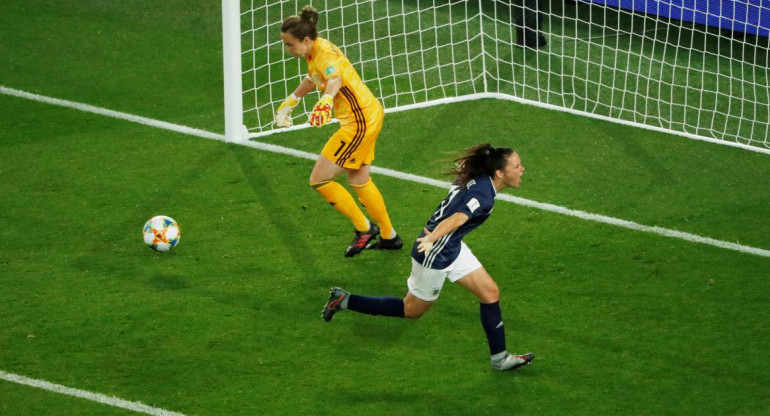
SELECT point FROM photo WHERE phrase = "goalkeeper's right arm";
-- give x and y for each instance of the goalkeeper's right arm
(283, 115)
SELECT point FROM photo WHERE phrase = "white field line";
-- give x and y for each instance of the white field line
(392, 173)
(96, 397)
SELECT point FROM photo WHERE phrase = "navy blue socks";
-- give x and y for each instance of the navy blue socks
(385, 305)
(492, 321)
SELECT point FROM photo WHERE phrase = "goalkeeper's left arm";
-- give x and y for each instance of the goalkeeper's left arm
(322, 110)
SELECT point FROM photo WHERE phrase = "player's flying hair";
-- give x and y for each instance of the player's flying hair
(482, 159)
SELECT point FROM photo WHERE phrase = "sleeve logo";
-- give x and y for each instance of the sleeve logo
(330, 70)
(473, 204)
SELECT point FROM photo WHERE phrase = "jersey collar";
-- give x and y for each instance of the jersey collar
(492, 184)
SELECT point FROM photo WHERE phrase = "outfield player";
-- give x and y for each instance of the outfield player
(351, 148)
(439, 252)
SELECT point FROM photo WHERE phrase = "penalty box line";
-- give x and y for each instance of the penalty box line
(389, 172)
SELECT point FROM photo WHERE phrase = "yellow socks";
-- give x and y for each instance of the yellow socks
(342, 201)
(372, 200)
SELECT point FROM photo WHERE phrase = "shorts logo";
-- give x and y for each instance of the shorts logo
(473, 204)
(330, 70)
(435, 291)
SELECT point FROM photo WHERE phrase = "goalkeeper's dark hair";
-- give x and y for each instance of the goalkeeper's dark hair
(482, 159)
(302, 25)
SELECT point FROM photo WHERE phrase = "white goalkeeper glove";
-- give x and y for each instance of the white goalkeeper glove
(283, 115)
(322, 111)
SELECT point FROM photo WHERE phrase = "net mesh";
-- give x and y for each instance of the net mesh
(599, 60)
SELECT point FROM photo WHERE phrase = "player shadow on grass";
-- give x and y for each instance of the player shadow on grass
(427, 397)
(276, 209)
(163, 281)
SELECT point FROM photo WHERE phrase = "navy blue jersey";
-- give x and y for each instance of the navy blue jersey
(476, 200)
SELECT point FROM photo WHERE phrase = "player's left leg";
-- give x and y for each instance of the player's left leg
(372, 200)
(468, 272)
(480, 283)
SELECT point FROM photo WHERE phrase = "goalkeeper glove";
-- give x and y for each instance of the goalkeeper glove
(283, 115)
(322, 112)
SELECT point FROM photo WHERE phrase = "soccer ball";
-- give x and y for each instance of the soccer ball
(161, 233)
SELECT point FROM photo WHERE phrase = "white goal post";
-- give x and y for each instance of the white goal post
(694, 70)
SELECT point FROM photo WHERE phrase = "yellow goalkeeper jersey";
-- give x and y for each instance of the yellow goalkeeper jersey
(354, 103)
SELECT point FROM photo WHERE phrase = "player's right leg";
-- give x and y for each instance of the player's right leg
(339, 300)
(414, 307)
(424, 287)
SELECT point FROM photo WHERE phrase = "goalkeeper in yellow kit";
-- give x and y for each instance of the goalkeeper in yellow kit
(351, 148)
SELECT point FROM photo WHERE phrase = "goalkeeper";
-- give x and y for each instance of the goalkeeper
(351, 148)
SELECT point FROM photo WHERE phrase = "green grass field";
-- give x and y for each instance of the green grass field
(228, 323)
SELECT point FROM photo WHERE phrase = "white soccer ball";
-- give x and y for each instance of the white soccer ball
(161, 233)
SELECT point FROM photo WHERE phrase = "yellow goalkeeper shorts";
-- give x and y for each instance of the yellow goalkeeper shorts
(353, 144)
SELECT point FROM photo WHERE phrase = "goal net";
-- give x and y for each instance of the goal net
(699, 69)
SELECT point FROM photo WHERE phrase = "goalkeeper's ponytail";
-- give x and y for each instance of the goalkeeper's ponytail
(303, 25)
(482, 159)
